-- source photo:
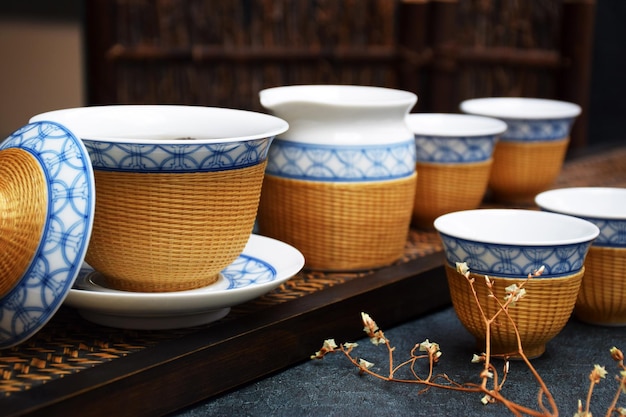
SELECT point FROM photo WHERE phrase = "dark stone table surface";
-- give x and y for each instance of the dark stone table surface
(333, 386)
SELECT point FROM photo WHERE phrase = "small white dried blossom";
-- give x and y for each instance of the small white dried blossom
(598, 373)
(427, 345)
(602, 372)
(486, 399)
(462, 268)
(368, 323)
(432, 348)
(514, 293)
(376, 340)
(478, 358)
(370, 328)
(350, 345)
(486, 374)
(621, 411)
(616, 354)
(328, 346)
(488, 282)
(365, 364)
(580, 412)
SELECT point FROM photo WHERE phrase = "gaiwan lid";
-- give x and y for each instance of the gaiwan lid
(47, 199)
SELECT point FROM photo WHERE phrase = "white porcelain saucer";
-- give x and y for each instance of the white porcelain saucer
(264, 264)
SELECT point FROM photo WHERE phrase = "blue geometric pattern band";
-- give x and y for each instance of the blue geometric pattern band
(612, 232)
(246, 271)
(515, 261)
(184, 157)
(454, 149)
(341, 163)
(528, 130)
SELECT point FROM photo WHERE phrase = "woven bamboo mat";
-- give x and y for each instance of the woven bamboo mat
(606, 169)
(69, 344)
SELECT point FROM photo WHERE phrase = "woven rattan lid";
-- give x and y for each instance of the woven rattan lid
(47, 198)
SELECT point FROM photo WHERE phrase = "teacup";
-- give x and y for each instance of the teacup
(177, 189)
(602, 296)
(508, 245)
(529, 155)
(454, 158)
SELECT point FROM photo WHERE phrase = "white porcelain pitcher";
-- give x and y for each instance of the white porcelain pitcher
(340, 182)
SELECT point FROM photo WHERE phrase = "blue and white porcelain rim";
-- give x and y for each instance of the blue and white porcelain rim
(362, 96)
(275, 125)
(577, 257)
(60, 155)
(612, 224)
(446, 224)
(454, 138)
(550, 119)
(453, 125)
(440, 149)
(239, 138)
(336, 164)
(607, 238)
(176, 158)
(532, 130)
(520, 108)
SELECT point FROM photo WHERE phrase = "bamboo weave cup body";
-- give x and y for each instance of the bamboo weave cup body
(539, 316)
(169, 232)
(602, 297)
(454, 159)
(523, 169)
(339, 226)
(529, 155)
(177, 190)
(340, 183)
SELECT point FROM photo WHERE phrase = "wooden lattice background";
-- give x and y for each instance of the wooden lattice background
(222, 53)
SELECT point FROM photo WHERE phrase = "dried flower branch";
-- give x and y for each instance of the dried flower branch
(598, 373)
(492, 381)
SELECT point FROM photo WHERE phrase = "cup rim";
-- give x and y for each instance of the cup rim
(520, 108)
(338, 95)
(165, 124)
(454, 125)
(464, 225)
(588, 202)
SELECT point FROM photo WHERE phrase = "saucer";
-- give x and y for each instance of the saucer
(46, 218)
(264, 264)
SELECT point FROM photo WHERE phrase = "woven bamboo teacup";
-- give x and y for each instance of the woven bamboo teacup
(602, 296)
(507, 245)
(529, 155)
(454, 158)
(177, 189)
(340, 182)
(539, 316)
